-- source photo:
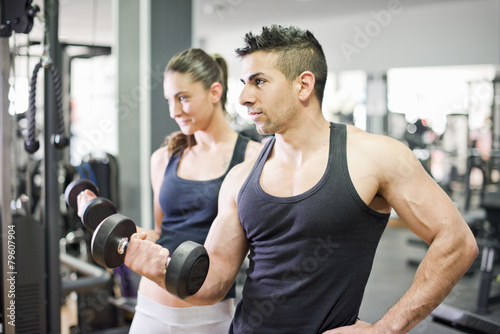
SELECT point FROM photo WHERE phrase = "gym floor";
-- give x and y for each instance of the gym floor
(392, 275)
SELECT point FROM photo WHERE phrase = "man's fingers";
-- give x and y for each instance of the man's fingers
(145, 257)
(139, 235)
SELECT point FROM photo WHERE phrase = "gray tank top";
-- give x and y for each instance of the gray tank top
(310, 255)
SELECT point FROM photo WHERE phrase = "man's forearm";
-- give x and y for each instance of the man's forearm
(215, 287)
(150, 260)
(445, 263)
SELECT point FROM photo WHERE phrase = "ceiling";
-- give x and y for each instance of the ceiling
(220, 24)
(227, 14)
(90, 21)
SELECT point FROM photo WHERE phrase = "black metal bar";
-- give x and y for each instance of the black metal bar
(465, 321)
(95, 277)
(52, 214)
(5, 188)
(485, 278)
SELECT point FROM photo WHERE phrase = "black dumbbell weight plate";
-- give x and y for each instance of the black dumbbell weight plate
(106, 239)
(75, 188)
(187, 269)
(96, 211)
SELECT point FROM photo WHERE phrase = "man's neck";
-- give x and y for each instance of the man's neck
(302, 142)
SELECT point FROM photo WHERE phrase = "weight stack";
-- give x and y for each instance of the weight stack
(28, 277)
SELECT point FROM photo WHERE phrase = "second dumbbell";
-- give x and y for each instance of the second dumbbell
(95, 210)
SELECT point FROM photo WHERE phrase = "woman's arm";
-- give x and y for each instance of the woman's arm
(158, 164)
(226, 245)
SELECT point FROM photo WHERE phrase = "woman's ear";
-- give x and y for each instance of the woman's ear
(215, 92)
(306, 83)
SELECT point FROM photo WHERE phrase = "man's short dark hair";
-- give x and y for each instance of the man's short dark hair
(298, 51)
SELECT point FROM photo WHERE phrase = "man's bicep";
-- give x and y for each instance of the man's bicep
(417, 198)
(226, 242)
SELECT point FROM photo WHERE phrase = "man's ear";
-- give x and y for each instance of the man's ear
(306, 80)
(215, 92)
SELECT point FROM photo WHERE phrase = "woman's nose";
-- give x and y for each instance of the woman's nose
(175, 109)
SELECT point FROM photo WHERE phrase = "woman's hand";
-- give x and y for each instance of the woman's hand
(83, 198)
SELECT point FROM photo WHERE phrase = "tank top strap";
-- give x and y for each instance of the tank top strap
(173, 162)
(258, 165)
(237, 157)
(338, 153)
(239, 151)
(264, 153)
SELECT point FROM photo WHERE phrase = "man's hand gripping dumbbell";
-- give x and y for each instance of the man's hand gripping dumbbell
(114, 236)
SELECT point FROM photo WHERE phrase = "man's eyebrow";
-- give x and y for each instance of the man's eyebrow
(251, 77)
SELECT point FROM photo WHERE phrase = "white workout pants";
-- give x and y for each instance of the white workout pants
(153, 318)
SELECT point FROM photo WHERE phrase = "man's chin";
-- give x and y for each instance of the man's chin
(263, 131)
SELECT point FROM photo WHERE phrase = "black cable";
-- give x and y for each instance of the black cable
(59, 139)
(32, 144)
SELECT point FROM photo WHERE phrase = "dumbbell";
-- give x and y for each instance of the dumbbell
(95, 210)
(187, 267)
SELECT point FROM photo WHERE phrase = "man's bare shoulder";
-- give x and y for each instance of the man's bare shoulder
(381, 156)
(375, 144)
(237, 176)
(253, 149)
(242, 170)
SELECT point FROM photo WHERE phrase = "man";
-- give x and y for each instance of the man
(311, 209)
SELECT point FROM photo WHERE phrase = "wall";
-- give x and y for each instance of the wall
(429, 34)
(148, 34)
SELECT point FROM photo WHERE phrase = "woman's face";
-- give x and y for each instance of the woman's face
(190, 104)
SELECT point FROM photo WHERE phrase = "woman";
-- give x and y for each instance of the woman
(186, 174)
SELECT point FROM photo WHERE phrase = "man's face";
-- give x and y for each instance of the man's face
(269, 97)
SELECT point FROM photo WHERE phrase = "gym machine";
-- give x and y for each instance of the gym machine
(24, 288)
(31, 294)
(476, 321)
(46, 245)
